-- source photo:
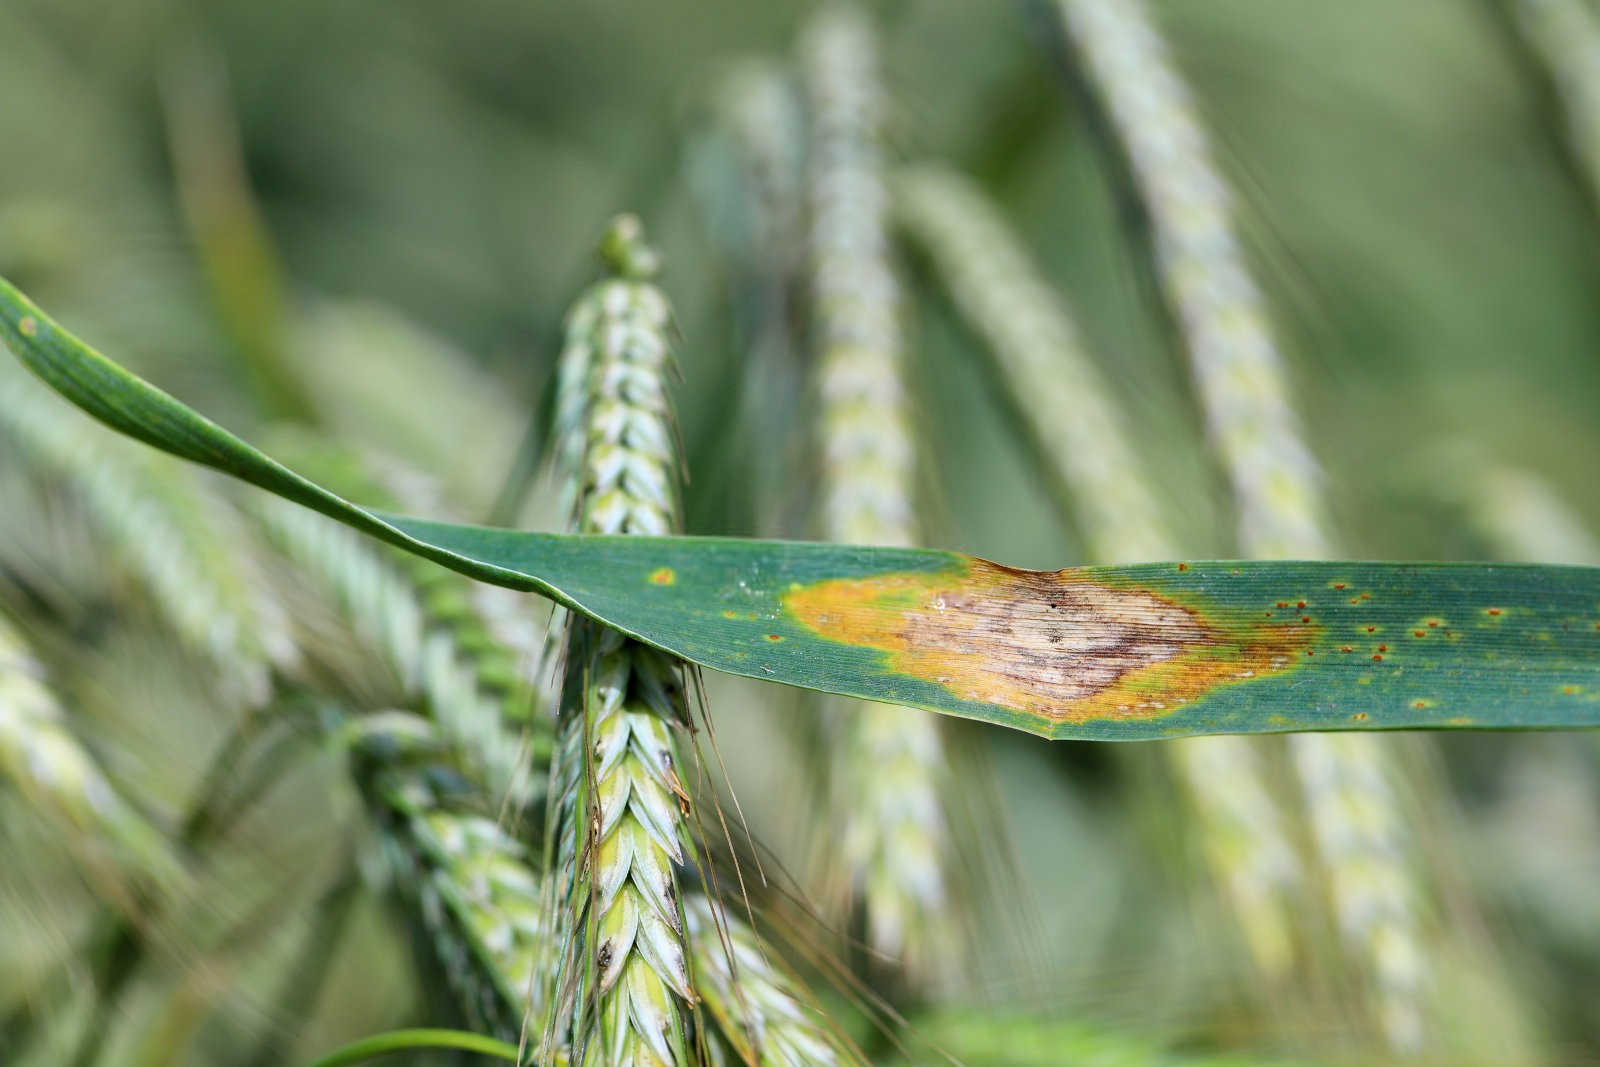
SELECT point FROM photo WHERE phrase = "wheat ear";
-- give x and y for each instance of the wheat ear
(477, 895)
(764, 1013)
(1524, 517)
(1074, 418)
(623, 990)
(1564, 36)
(422, 631)
(57, 776)
(180, 538)
(1244, 393)
(890, 768)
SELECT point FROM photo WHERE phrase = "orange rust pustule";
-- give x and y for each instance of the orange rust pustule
(1055, 645)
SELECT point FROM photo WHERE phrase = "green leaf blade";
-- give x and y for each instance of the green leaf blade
(1500, 646)
(1105, 653)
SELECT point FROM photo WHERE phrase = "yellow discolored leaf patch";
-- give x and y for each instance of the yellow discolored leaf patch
(1054, 645)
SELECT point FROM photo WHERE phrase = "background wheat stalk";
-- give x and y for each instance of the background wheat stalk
(1564, 36)
(888, 770)
(42, 759)
(475, 891)
(177, 535)
(429, 627)
(1244, 394)
(1089, 454)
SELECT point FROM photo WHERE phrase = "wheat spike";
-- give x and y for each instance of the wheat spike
(1070, 409)
(439, 633)
(622, 991)
(1364, 843)
(477, 894)
(181, 539)
(1244, 393)
(1524, 517)
(1236, 365)
(890, 768)
(57, 776)
(758, 106)
(1074, 417)
(414, 630)
(763, 1013)
(1564, 35)
(498, 634)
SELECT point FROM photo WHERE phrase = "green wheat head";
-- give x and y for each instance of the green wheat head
(887, 831)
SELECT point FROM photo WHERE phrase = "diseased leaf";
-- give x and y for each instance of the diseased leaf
(1110, 653)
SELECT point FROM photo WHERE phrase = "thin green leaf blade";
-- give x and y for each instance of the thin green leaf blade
(131, 405)
(1109, 653)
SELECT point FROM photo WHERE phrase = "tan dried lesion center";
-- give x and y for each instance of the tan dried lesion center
(1051, 644)
(1048, 640)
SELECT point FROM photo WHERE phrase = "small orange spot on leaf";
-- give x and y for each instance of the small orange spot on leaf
(1360, 716)
(1494, 611)
(1183, 566)
(774, 637)
(663, 576)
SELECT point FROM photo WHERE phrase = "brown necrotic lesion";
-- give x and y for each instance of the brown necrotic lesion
(1055, 645)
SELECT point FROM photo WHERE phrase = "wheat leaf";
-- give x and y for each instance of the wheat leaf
(1111, 653)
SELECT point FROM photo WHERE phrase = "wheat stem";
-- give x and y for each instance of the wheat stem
(1074, 417)
(1244, 393)
(890, 767)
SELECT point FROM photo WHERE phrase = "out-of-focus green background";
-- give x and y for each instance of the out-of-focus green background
(434, 177)
(1428, 250)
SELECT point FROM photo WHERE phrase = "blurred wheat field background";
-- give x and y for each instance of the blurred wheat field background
(267, 788)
